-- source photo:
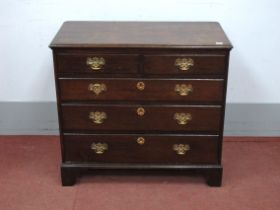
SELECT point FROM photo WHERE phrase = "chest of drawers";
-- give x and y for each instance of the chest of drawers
(141, 96)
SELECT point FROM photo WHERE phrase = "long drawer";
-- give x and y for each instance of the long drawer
(189, 90)
(141, 117)
(165, 149)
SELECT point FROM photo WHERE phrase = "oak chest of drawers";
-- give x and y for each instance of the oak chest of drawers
(141, 96)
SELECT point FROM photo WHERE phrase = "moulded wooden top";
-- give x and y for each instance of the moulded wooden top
(86, 34)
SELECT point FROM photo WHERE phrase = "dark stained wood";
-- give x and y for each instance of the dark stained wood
(141, 35)
(203, 64)
(156, 149)
(68, 176)
(214, 177)
(134, 52)
(207, 170)
(204, 90)
(116, 63)
(156, 118)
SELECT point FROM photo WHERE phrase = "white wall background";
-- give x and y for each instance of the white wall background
(28, 26)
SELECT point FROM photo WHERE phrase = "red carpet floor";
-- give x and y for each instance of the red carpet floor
(30, 180)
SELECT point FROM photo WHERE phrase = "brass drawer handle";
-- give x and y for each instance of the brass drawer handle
(140, 85)
(97, 88)
(183, 89)
(140, 140)
(97, 117)
(181, 149)
(140, 111)
(99, 148)
(182, 118)
(184, 64)
(95, 63)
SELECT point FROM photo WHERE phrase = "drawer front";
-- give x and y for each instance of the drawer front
(208, 91)
(141, 118)
(97, 63)
(185, 64)
(141, 149)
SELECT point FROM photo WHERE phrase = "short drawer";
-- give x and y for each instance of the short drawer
(185, 64)
(119, 148)
(208, 91)
(141, 118)
(97, 63)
